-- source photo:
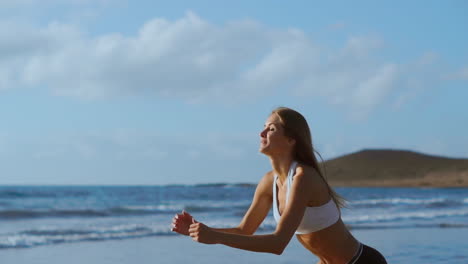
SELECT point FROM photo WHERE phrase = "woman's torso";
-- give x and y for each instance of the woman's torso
(333, 243)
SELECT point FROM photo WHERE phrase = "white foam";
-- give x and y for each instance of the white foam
(405, 215)
(82, 234)
(399, 201)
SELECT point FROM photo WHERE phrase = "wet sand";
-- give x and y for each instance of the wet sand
(412, 245)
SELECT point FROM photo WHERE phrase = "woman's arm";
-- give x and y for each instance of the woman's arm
(272, 243)
(257, 212)
(261, 204)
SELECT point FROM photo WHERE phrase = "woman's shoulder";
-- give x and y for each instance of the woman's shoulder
(304, 170)
(264, 186)
(268, 177)
(309, 174)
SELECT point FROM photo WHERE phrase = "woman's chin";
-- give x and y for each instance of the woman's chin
(263, 150)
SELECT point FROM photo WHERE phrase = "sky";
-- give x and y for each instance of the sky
(117, 92)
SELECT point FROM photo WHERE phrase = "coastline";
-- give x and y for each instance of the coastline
(410, 245)
(432, 180)
(396, 168)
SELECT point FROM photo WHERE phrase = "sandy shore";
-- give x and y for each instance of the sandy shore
(149, 250)
(436, 245)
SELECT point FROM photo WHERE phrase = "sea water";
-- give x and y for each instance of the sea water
(32, 216)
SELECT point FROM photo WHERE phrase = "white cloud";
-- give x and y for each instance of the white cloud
(371, 92)
(154, 154)
(193, 154)
(461, 74)
(337, 26)
(127, 146)
(419, 76)
(193, 60)
(3, 143)
(41, 3)
(351, 77)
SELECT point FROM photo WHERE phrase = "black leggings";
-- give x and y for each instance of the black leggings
(367, 255)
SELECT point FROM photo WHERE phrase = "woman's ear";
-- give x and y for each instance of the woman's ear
(291, 142)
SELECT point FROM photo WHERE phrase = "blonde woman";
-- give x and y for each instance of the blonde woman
(303, 202)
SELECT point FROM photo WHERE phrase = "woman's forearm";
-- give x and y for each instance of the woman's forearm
(270, 243)
(234, 230)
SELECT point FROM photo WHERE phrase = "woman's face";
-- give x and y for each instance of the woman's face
(272, 138)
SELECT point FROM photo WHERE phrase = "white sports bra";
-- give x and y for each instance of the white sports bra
(315, 218)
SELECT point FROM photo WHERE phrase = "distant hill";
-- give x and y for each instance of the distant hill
(379, 167)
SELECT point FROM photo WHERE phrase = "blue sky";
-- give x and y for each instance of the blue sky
(176, 92)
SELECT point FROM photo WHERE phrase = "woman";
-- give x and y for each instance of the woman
(303, 202)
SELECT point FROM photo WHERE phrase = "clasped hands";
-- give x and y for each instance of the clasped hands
(186, 225)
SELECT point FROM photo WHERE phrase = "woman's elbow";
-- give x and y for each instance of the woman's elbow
(278, 250)
(279, 247)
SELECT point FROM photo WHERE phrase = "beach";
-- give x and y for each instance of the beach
(412, 245)
(131, 224)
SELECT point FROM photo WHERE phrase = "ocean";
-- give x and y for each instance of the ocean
(33, 216)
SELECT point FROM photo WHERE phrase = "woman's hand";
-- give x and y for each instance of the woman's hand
(202, 233)
(181, 223)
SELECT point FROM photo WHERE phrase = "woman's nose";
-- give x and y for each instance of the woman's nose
(263, 133)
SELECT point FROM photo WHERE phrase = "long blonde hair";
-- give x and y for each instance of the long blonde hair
(296, 127)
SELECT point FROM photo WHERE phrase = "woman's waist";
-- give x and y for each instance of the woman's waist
(333, 242)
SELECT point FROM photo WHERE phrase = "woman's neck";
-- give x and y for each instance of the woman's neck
(280, 165)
